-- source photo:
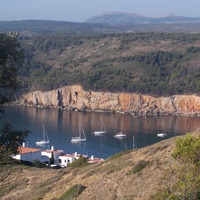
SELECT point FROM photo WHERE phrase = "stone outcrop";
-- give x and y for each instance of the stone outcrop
(74, 97)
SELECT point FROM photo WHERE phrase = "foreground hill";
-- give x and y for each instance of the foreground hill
(135, 174)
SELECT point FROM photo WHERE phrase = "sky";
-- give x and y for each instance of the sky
(80, 10)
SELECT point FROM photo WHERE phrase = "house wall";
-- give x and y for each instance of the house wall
(31, 156)
(64, 160)
(55, 154)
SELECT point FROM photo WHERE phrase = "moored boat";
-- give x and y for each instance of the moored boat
(162, 134)
(102, 131)
(121, 134)
(81, 137)
(45, 139)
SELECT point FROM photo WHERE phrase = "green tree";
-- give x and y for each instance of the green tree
(182, 180)
(52, 159)
(10, 140)
(11, 53)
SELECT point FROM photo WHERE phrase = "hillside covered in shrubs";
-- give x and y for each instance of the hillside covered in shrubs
(146, 63)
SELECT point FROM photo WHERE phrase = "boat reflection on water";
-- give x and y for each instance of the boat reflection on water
(134, 143)
(124, 144)
(80, 147)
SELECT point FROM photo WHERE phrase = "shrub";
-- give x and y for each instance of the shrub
(37, 163)
(79, 162)
(182, 181)
(140, 166)
(73, 192)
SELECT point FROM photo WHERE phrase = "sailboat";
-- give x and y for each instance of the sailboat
(81, 137)
(102, 131)
(45, 139)
(121, 134)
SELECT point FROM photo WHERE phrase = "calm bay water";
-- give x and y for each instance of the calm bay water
(61, 125)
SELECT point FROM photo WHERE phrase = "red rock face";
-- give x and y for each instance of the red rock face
(74, 97)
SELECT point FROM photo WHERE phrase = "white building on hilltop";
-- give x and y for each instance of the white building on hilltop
(30, 154)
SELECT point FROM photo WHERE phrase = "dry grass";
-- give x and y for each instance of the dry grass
(128, 175)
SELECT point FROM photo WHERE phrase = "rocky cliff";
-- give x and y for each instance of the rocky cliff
(74, 97)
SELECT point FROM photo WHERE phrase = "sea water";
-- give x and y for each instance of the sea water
(62, 125)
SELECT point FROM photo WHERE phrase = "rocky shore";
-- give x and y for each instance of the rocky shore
(75, 98)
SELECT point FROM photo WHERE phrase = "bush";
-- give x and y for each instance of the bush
(37, 163)
(73, 192)
(79, 162)
(140, 166)
(182, 181)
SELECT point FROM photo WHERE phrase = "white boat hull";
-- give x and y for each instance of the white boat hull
(161, 134)
(45, 139)
(38, 143)
(120, 136)
(99, 133)
(78, 139)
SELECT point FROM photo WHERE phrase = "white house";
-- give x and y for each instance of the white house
(30, 154)
(60, 158)
(65, 159)
(55, 153)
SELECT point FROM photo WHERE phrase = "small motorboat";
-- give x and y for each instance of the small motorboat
(162, 134)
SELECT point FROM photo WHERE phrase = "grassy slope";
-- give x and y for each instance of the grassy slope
(119, 177)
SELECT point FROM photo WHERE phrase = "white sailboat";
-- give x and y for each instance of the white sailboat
(81, 137)
(121, 134)
(102, 131)
(45, 139)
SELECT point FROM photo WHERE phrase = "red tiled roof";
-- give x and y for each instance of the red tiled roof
(95, 160)
(54, 151)
(68, 155)
(23, 150)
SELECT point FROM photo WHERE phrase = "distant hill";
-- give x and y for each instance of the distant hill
(30, 27)
(130, 18)
(106, 23)
(119, 18)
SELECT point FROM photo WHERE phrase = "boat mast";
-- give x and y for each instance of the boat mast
(45, 136)
(81, 130)
(102, 125)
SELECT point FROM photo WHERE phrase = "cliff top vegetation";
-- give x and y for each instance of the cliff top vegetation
(146, 63)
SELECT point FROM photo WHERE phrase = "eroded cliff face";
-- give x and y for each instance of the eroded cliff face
(74, 97)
